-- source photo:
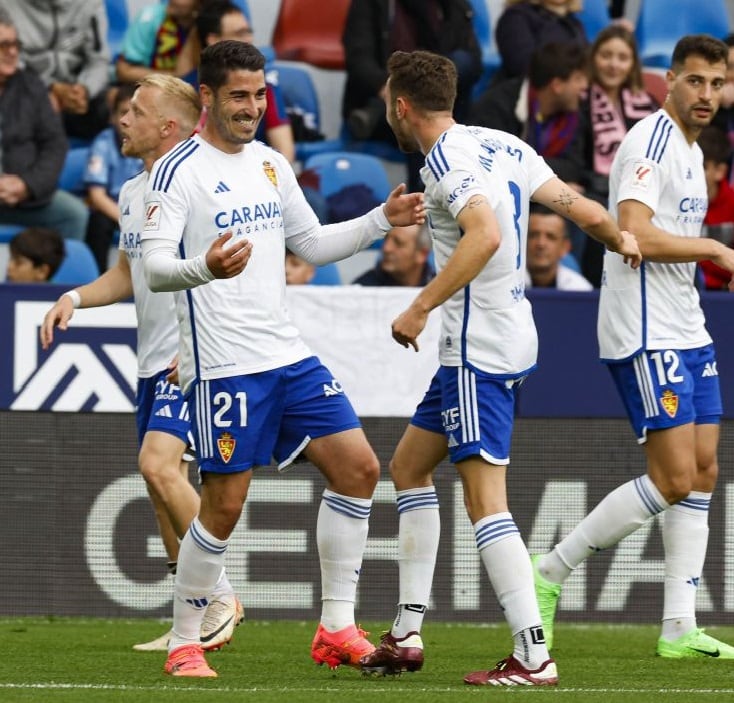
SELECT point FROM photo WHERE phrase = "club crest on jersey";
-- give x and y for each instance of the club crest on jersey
(226, 444)
(152, 215)
(669, 401)
(269, 171)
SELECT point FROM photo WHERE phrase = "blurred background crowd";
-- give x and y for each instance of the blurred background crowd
(570, 77)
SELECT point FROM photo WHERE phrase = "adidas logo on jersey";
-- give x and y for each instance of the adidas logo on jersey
(221, 188)
(126, 211)
(165, 411)
(710, 369)
(689, 175)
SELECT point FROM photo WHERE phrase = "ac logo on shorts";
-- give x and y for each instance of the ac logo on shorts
(226, 444)
(669, 401)
(334, 389)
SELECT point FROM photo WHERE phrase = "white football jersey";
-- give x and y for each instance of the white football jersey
(157, 327)
(196, 193)
(488, 325)
(656, 306)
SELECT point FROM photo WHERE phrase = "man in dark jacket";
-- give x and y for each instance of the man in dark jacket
(32, 148)
(376, 28)
(543, 108)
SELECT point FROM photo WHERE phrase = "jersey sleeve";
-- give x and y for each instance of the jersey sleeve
(166, 205)
(457, 177)
(640, 179)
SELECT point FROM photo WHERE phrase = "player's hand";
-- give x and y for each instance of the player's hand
(408, 325)
(172, 376)
(402, 209)
(630, 250)
(58, 316)
(725, 259)
(228, 261)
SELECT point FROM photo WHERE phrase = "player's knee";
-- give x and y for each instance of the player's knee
(676, 488)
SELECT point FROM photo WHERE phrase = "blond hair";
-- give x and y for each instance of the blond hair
(179, 100)
(571, 5)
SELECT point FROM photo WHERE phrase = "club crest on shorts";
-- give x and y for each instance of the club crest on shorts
(669, 401)
(226, 444)
(269, 171)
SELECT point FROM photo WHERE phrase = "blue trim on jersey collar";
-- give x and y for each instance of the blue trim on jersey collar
(169, 165)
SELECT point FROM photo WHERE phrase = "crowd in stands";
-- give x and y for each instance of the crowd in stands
(570, 94)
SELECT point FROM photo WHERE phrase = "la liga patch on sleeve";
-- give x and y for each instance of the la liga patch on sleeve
(152, 216)
(641, 175)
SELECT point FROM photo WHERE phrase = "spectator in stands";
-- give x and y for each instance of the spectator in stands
(107, 170)
(298, 271)
(616, 100)
(65, 43)
(376, 28)
(35, 255)
(548, 243)
(719, 221)
(222, 19)
(542, 108)
(161, 38)
(527, 25)
(404, 260)
(32, 148)
(724, 118)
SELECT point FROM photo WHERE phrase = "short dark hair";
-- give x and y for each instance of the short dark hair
(219, 59)
(209, 17)
(714, 144)
(42, 245)
(707, 47)
(556, 60)
(428, 80)
(123, 92)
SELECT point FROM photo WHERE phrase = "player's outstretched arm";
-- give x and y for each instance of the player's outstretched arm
(112, 286)
(591, 217)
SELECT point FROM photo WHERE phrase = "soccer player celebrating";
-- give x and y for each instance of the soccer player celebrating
(255, 389)
(164, 111)
(652, 334)
(478, 186)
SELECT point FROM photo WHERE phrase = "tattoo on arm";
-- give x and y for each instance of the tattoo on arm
(476, 201)
(566, 199)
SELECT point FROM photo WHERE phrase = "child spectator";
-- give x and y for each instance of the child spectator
(107, 170)
(719, 221)
(298, 271)
(35, 255)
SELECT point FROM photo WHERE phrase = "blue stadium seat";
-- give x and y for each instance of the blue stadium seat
(78, 266)
(7, 232)
(242, 4)
(490, 56)
(339, 169)
(301, 98)
(117, 18)
(326, 275)
(71, 178)
(594, 15)
(662, 23)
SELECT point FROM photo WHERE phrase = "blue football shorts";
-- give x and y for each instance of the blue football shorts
(161, 406)
(244, 421)
(474, 411)
(666, 388)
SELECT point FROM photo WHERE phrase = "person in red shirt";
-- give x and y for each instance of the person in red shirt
(719, 221)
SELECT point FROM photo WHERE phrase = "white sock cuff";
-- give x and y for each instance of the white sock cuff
(649, 495)
(494, 528)
(204, 540)
(358, 508)
(695, 503)
(417, 499)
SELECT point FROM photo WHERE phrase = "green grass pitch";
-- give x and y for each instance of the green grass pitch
(85, 660)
